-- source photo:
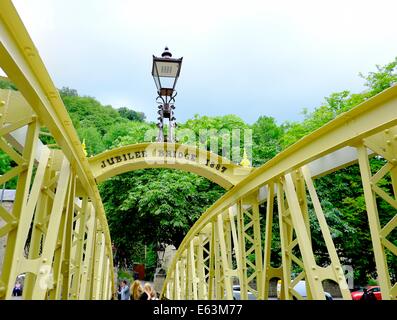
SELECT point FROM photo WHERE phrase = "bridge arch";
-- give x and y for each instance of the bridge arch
(168, 155)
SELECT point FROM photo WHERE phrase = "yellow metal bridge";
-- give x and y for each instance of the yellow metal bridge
(57, 232)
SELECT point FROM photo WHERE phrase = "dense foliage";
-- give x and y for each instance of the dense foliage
(149, 206)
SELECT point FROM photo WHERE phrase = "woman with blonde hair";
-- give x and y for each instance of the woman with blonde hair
(148, 292)
(136, 290)
(153, 295)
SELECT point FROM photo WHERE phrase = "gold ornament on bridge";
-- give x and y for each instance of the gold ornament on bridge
(245, 162)
(84, 147)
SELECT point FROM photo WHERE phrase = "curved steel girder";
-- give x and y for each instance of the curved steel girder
(168, 155)
(22, 63)
(350, 129)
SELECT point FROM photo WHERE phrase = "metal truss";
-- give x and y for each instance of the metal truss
(56, 233)
(231, 242)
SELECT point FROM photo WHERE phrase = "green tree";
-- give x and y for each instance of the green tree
(88, 112)
(93, 140)
(382, 78)
(155, 205)
(266, 135)
(223, 135)
(334, 105)
(6, 164)
(131, 114)
(5, 83)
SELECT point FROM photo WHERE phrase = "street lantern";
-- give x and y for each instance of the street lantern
(165, 72)
(160, 251)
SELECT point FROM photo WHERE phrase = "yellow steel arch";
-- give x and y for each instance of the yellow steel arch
(225, 245)
(167, 155)
(56, 233)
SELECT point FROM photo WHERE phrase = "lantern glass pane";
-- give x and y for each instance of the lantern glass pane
(157, 82)
(167, 82)
(166, 69)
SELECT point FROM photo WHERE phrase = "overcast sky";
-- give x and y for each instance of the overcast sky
(248, 58)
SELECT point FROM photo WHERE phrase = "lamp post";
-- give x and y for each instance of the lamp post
(160, 253)
(165, 72)
(160, 274)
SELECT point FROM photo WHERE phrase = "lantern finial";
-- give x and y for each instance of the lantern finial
(166, 53)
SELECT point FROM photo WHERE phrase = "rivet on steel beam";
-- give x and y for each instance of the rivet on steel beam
(337, 267)
(388, 142)
(29, 52)
(387, 131)
(44, 260)
(1, 115)
(395, 137)
(315, 278)
(313, 268)
(2, 103)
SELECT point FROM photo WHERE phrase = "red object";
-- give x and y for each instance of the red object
(356, 295)
(140, 269)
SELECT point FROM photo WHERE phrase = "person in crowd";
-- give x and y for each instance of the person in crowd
(153, 295)
(124, 290)
(119, 291)
(136, 290)
(368, 295)
(17, 291)
(148, 292)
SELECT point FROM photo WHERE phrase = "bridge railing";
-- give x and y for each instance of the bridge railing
(56, 234)
(231, 242)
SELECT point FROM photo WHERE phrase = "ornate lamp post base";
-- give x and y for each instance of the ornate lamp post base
(159, 278)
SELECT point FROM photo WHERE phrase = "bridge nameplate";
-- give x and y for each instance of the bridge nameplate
(158, 155)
